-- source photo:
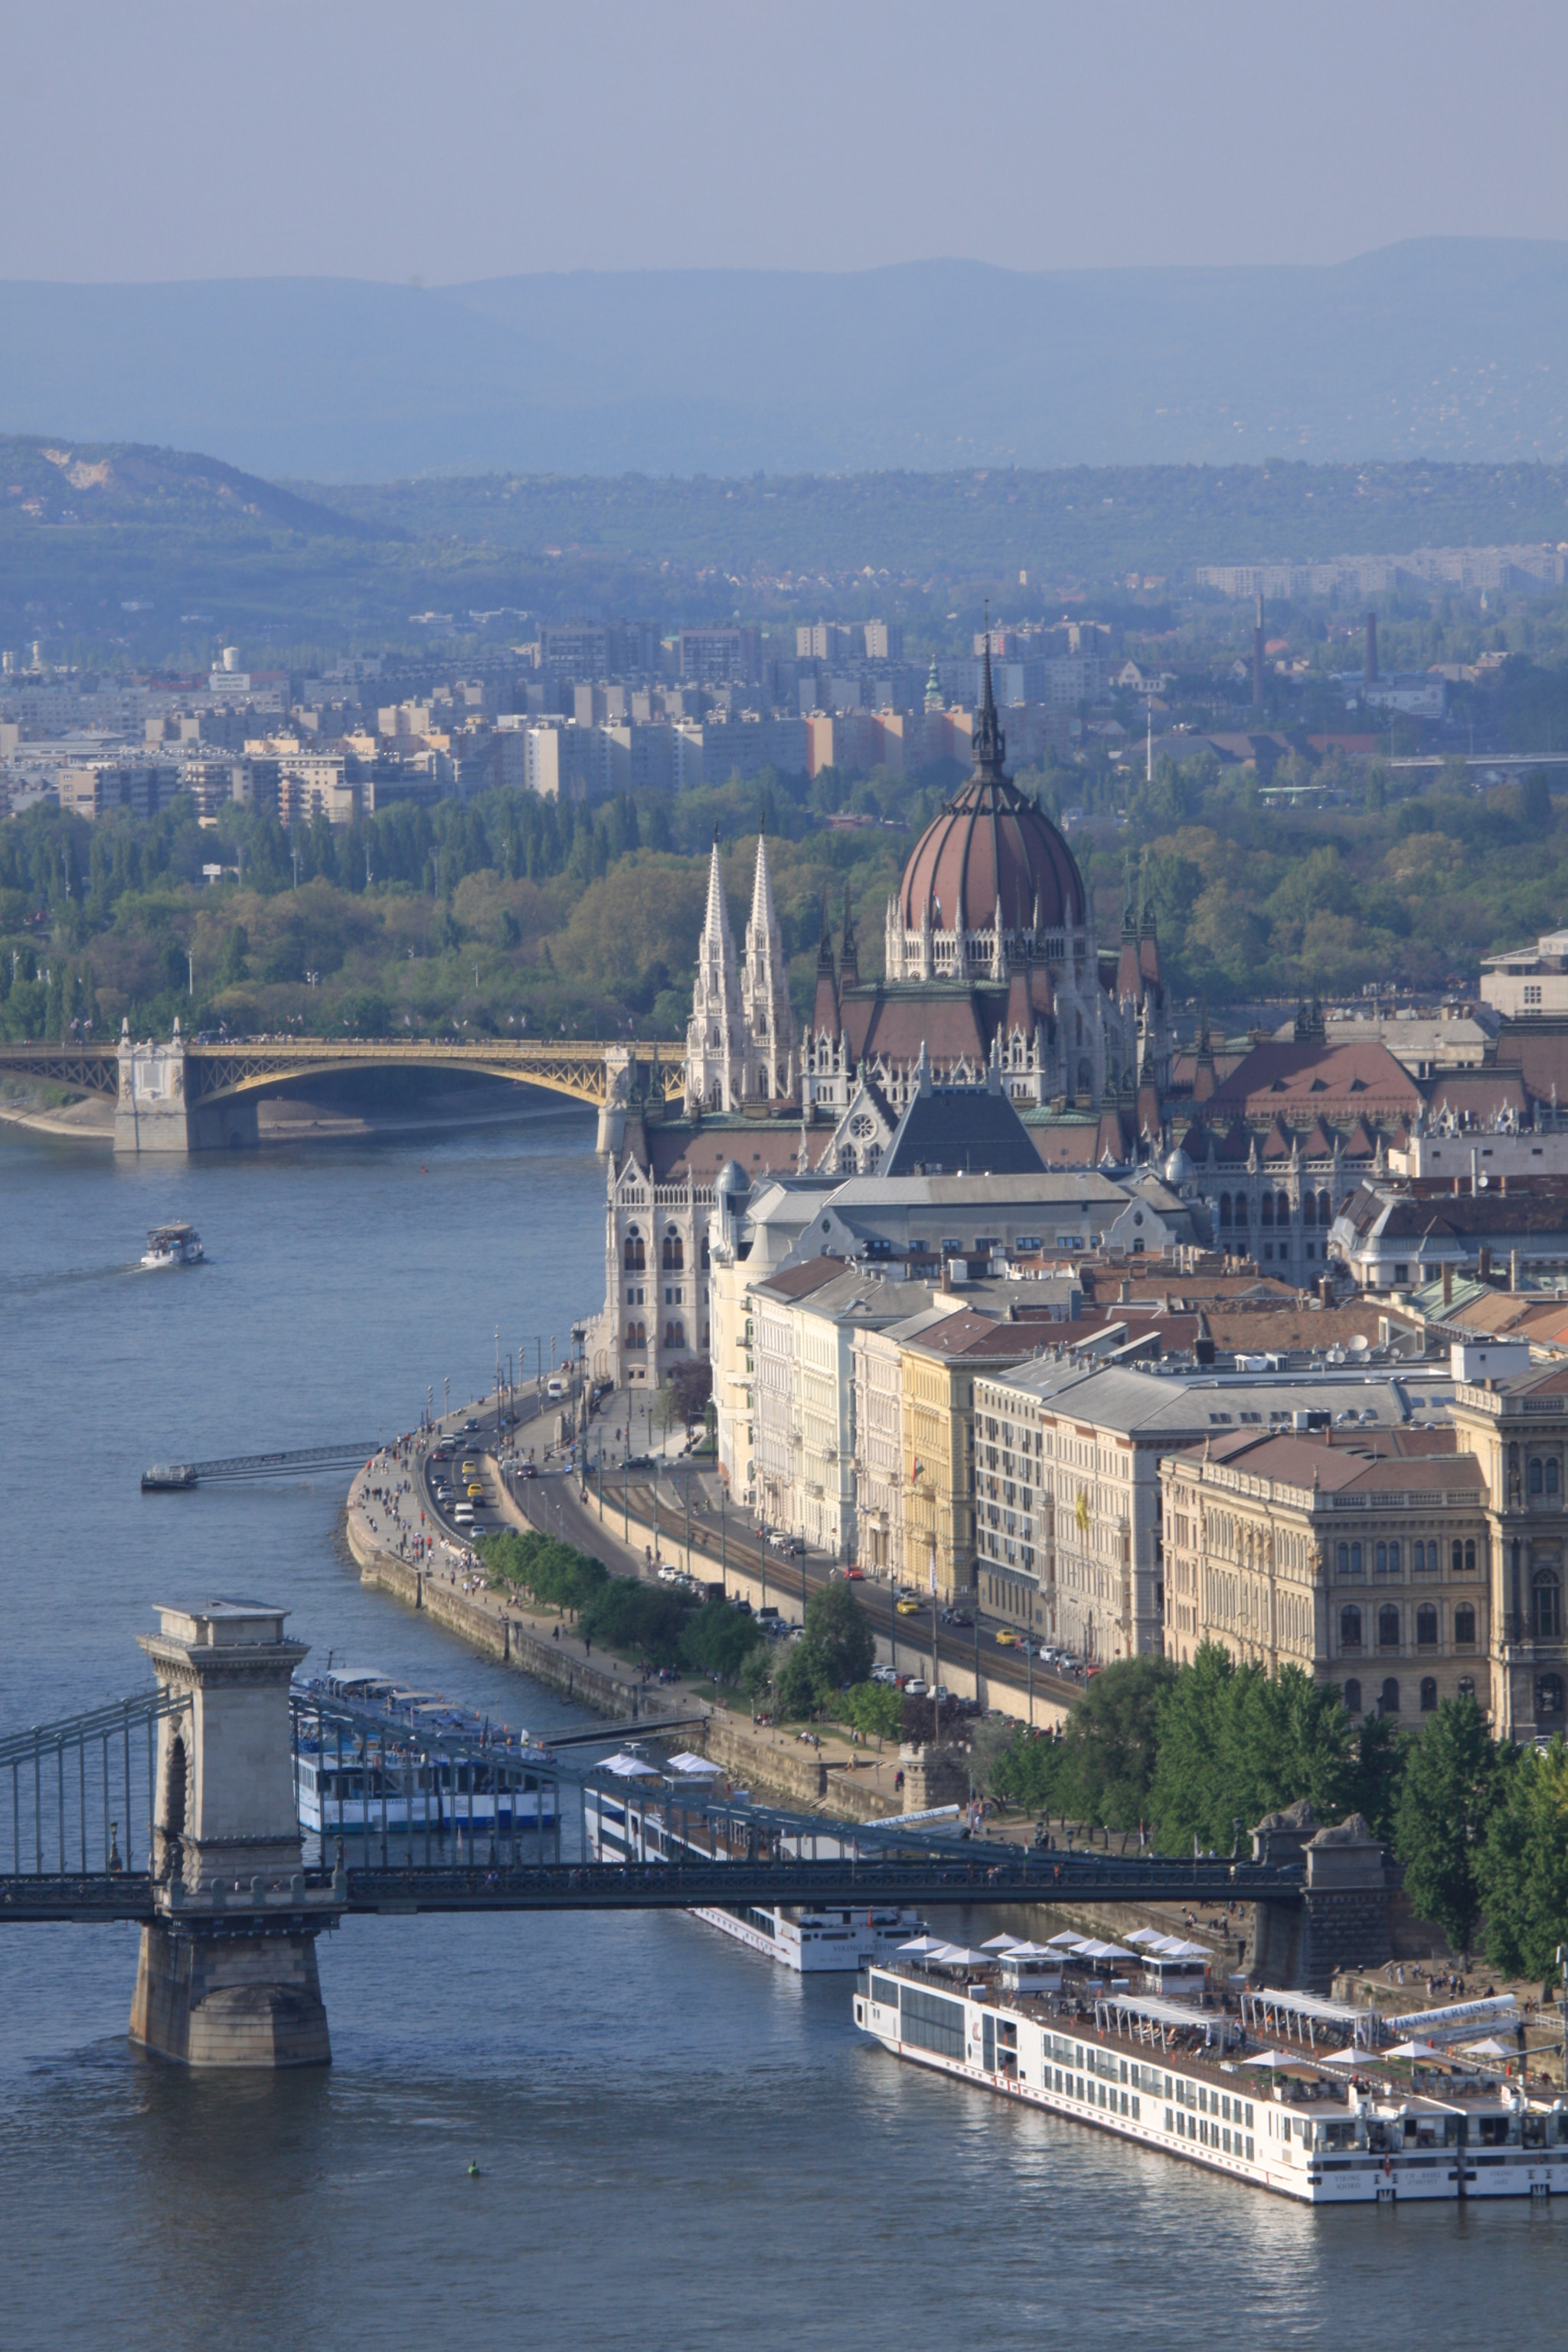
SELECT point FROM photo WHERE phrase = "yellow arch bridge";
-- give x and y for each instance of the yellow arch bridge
(190, 1096)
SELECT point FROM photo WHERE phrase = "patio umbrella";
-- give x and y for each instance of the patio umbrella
(1146, 1935)
(922, 1947)
(1490, 2048)
(1411, 2050)
(1069, 1937)
(999, 1943)
(1030, 1952)
(958, 1956)
(1273, 2058)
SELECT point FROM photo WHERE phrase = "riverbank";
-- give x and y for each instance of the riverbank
(823, 1772)
(281, 1119)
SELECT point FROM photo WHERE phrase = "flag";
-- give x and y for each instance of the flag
(1080, 1511)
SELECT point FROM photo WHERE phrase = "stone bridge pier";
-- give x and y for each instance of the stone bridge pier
(153, 1110)
(227, 1974)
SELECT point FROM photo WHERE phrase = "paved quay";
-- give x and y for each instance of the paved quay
(402, 1547)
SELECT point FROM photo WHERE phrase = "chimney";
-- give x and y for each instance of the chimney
(1257, 656)
(1124, 1291)
(1513, 1282)
(1371, 649)
(1484, 1263)
(1448, 1285)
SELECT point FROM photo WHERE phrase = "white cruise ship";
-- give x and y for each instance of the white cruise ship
(632, 1811)
(1324, 2134)
(370, 1756)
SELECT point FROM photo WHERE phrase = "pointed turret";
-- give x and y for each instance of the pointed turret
(825, 1007)
(1203, 1079)
(990, 744)
(716, 1059)
(1128, 977)
(934, 689)
(764, 990)
(849, 952)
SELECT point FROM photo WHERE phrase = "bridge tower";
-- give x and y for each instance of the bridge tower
(154, 1111)
(227, 1974)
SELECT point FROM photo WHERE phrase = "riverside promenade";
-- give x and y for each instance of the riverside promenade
(400, 1549)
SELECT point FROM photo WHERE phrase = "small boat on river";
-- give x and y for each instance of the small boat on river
(172, 1245)
(371, 1756)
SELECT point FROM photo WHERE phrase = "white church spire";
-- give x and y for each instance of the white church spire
(764, 988)
(716, 1072)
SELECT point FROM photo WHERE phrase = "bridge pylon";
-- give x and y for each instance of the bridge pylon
(227, 1975)
(155, 1109)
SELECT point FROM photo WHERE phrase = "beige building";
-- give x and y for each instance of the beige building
(1517, 1430)
(1068, 1455)
(1360, 1556)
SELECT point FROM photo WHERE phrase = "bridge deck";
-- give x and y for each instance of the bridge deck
(990, 1875)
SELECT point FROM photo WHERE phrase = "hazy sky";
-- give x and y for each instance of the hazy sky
(395, 139)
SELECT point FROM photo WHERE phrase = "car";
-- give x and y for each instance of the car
(464, 1515)
(470, 1424)
(476, 1491)
(527, 1470)
(668, 1575)
(555, 1388)
(1007, 1638)
(884, 1675)
(916, 1688)
(907, 1608)
(956, 1617)
(855, 1575)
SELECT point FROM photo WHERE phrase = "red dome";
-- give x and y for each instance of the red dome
(992, 840)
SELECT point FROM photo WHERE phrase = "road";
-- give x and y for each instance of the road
(621, 1432)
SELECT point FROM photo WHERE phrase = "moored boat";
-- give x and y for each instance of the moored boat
(1184, 2081)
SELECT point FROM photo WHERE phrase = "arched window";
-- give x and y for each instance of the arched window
(1282, 1208)
(1355, 1560)
(1546, 1604)
(1394, 1559)
(1266, 1213)
(1467, 1686)
(707, 1259)
(1389, 1702)
(1457, 1561)
(1388, 1627)
(1429, 1693)
(1464, 1626)
(637, 1335)
(1353, 1697)
(1426, 1627)
(674, 1252)
(1470, 1555)
(1308, 1208)
(1225, 1208)
(1551, 1473)
(1548, 1695)
(1536, 1479)
(1241, 1208)
(1325, 1216)
(1350, 1628)
(636, 1261)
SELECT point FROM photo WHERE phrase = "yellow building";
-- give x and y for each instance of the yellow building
(940, 1366)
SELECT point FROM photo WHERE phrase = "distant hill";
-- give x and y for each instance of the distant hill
(1442, 349)
(48, 481)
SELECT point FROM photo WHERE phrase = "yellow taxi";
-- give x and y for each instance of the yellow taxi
(470, 1469)
(909, 1608)
(475, 1490)
(1007, 1638)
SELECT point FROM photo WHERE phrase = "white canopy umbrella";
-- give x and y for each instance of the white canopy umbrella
(922, 1947)
(695, 1767)
(1349, 2056)
(1029, 1952)
(1490, 2048)
(1412, 2049)
(959, 1955)
(1274, 2058)
(1070, 1938)
(1000, 1943)
(1147, 1935)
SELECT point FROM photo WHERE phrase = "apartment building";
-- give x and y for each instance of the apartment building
(1068, 1476)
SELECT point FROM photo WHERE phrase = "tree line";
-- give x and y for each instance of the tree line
(1196, 1756)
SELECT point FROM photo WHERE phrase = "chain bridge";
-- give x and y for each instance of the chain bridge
(193, 1094)
(229, 1908)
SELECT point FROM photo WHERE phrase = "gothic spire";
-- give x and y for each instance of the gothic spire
(990, 744)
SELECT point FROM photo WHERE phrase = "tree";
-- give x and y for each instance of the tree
(838, 1632)
(1523, 1868)
(1236, 1742)
(1446, 1801)
(1104, 1767)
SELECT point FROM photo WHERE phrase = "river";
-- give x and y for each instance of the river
(678, 2143)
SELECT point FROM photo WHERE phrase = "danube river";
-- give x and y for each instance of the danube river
(679, 2145)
